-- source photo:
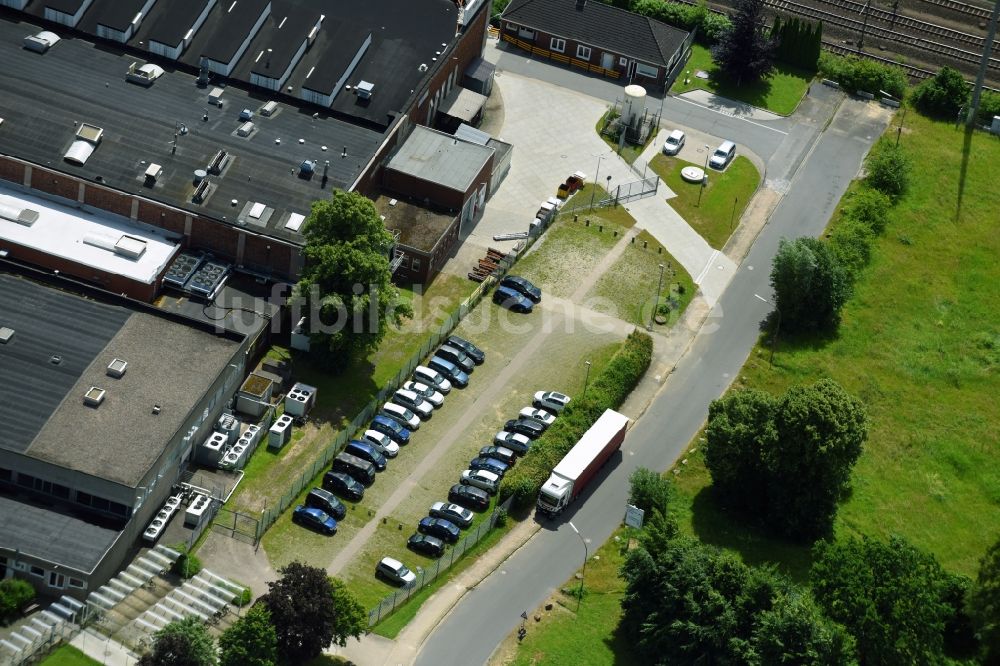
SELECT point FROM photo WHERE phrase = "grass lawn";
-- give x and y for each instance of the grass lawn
(920, 345)
(269, 474)
(630, 153)
(627, 289)
(67, 655)
(580, 205)
(585, 637)
(720, 206)
(780, 91)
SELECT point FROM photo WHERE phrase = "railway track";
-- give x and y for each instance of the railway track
(971, 10)
(969, 57)
(911, 71)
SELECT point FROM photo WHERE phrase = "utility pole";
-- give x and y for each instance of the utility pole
(864, 25)
(977, 90)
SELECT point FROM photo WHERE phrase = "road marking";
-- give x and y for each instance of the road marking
(708, 265)
(732, 115)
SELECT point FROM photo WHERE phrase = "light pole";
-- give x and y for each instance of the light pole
(608, 190)
(586, 556)
(704, 175)
(732, 217)
(777, 328)
(864, 25)
(586, 378)
(656, 300)
(596, 174)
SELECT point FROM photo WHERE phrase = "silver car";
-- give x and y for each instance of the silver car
(481, 478)
(674, 143)
(412, 401)
(426, 392)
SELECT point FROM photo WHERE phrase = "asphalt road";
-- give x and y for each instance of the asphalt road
(820, 175)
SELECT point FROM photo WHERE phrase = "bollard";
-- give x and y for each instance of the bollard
(633, 240)
(586, 222)
(615, 232)
(600, 228)
(645, 245)
(576, 218)
(659, 250)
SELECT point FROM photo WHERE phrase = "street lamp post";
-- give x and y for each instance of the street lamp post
(656, 301)
(596, 174)
(777, 328)
(586, 556)
(704, 175)
(586, 378)
(609, 190)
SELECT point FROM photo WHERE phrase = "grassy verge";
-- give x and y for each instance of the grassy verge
(630, 153)
(920, 345)
(714, 212)
(583, 205)
(559, 636)
(627, 289)
(67, 655)
(780, 91)
(269, 474)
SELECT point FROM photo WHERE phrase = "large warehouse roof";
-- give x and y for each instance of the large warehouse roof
(169, 364)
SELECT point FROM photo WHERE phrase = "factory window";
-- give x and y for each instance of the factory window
(25, 480)
(646, 70)
(583, 52)
(60, 491)
(37, 571)
(558, 45)
(76, 582)
(415, 264)
(99, 503)
(6, 474)
(83, 498)
(118, 509)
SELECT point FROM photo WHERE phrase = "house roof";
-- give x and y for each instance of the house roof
(604, 26)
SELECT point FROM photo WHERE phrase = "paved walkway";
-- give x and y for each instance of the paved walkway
(728, 106)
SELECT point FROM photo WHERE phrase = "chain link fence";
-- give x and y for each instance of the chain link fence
(430, 574)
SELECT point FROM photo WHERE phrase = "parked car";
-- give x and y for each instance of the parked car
(358, 469)
(723, 155)
(512, 440)
(414, 403)
(511, 300)
(476, 499)
(456, 356)
(382, 442)
(327, 502)
(456, 375)
(674, 143)
(453, 512)
(395, 571)
(501, 453)
(432, 378)
(540, 415)
(552, 401)
(528, 427)
(392, 428)
(490, 465)
(314, 518)
(439, 527)
(428, 393)
(481, 478)
(475, 353)
(401, 415)
(523, 287)
(366, 451)
(343, 485)
(425, 544)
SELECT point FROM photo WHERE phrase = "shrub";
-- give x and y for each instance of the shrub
(851, 243)
(608, 390)
(869, 206)
(709, 25)
(989, 106)
(648, 491)
(888, 168)
(943, 95)
(861, 74)
(243, 598)
(187, 565)
(15, 594)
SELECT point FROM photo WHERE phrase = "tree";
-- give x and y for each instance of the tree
(820, 432)
(346, 281)
(890, 596)
(183, 642)
(649, 491)
(795, 631)
(786, 461)
(810, 285)
(15, 594)
(888, 168)
(943, 95)
(352, 618)
(744, 52)
(250, 641)
(984, 604)
(309, 611)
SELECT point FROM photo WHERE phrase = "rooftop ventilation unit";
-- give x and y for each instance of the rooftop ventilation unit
(23, 216)
(5, 334)
(365, 89)
(94, 396)
(117, 368)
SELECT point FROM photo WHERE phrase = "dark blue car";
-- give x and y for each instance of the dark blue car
(498, 467)
(314, 518)
(455, 374)
(387, 426)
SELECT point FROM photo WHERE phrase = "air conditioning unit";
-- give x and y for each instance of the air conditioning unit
(300, 399)
(213, 448)
(280, 432)
(197, 510)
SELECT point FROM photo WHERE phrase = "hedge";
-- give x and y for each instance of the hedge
(608, 391)
(855, 74)
(15, 594)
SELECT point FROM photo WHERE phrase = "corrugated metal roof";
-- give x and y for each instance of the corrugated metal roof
(472, 135)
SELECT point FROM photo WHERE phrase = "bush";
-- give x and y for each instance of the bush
(942, 96)
(861, 74)
(888, 168)
(243, 598)
(989, 106)
(851, 243)
(870, 207)
(648, 491)
(709, 25)
(15, 594)
(187, 565)
(607, 391)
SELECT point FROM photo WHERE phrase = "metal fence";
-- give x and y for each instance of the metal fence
(427, 576)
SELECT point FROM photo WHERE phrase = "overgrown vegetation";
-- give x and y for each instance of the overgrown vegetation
(187, 565)
(607, 391)
(855, 74)
(888, 168)
(710, 26)
(943, 95)
(15, 594)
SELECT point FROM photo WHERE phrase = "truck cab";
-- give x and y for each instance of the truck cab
(554, 495)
